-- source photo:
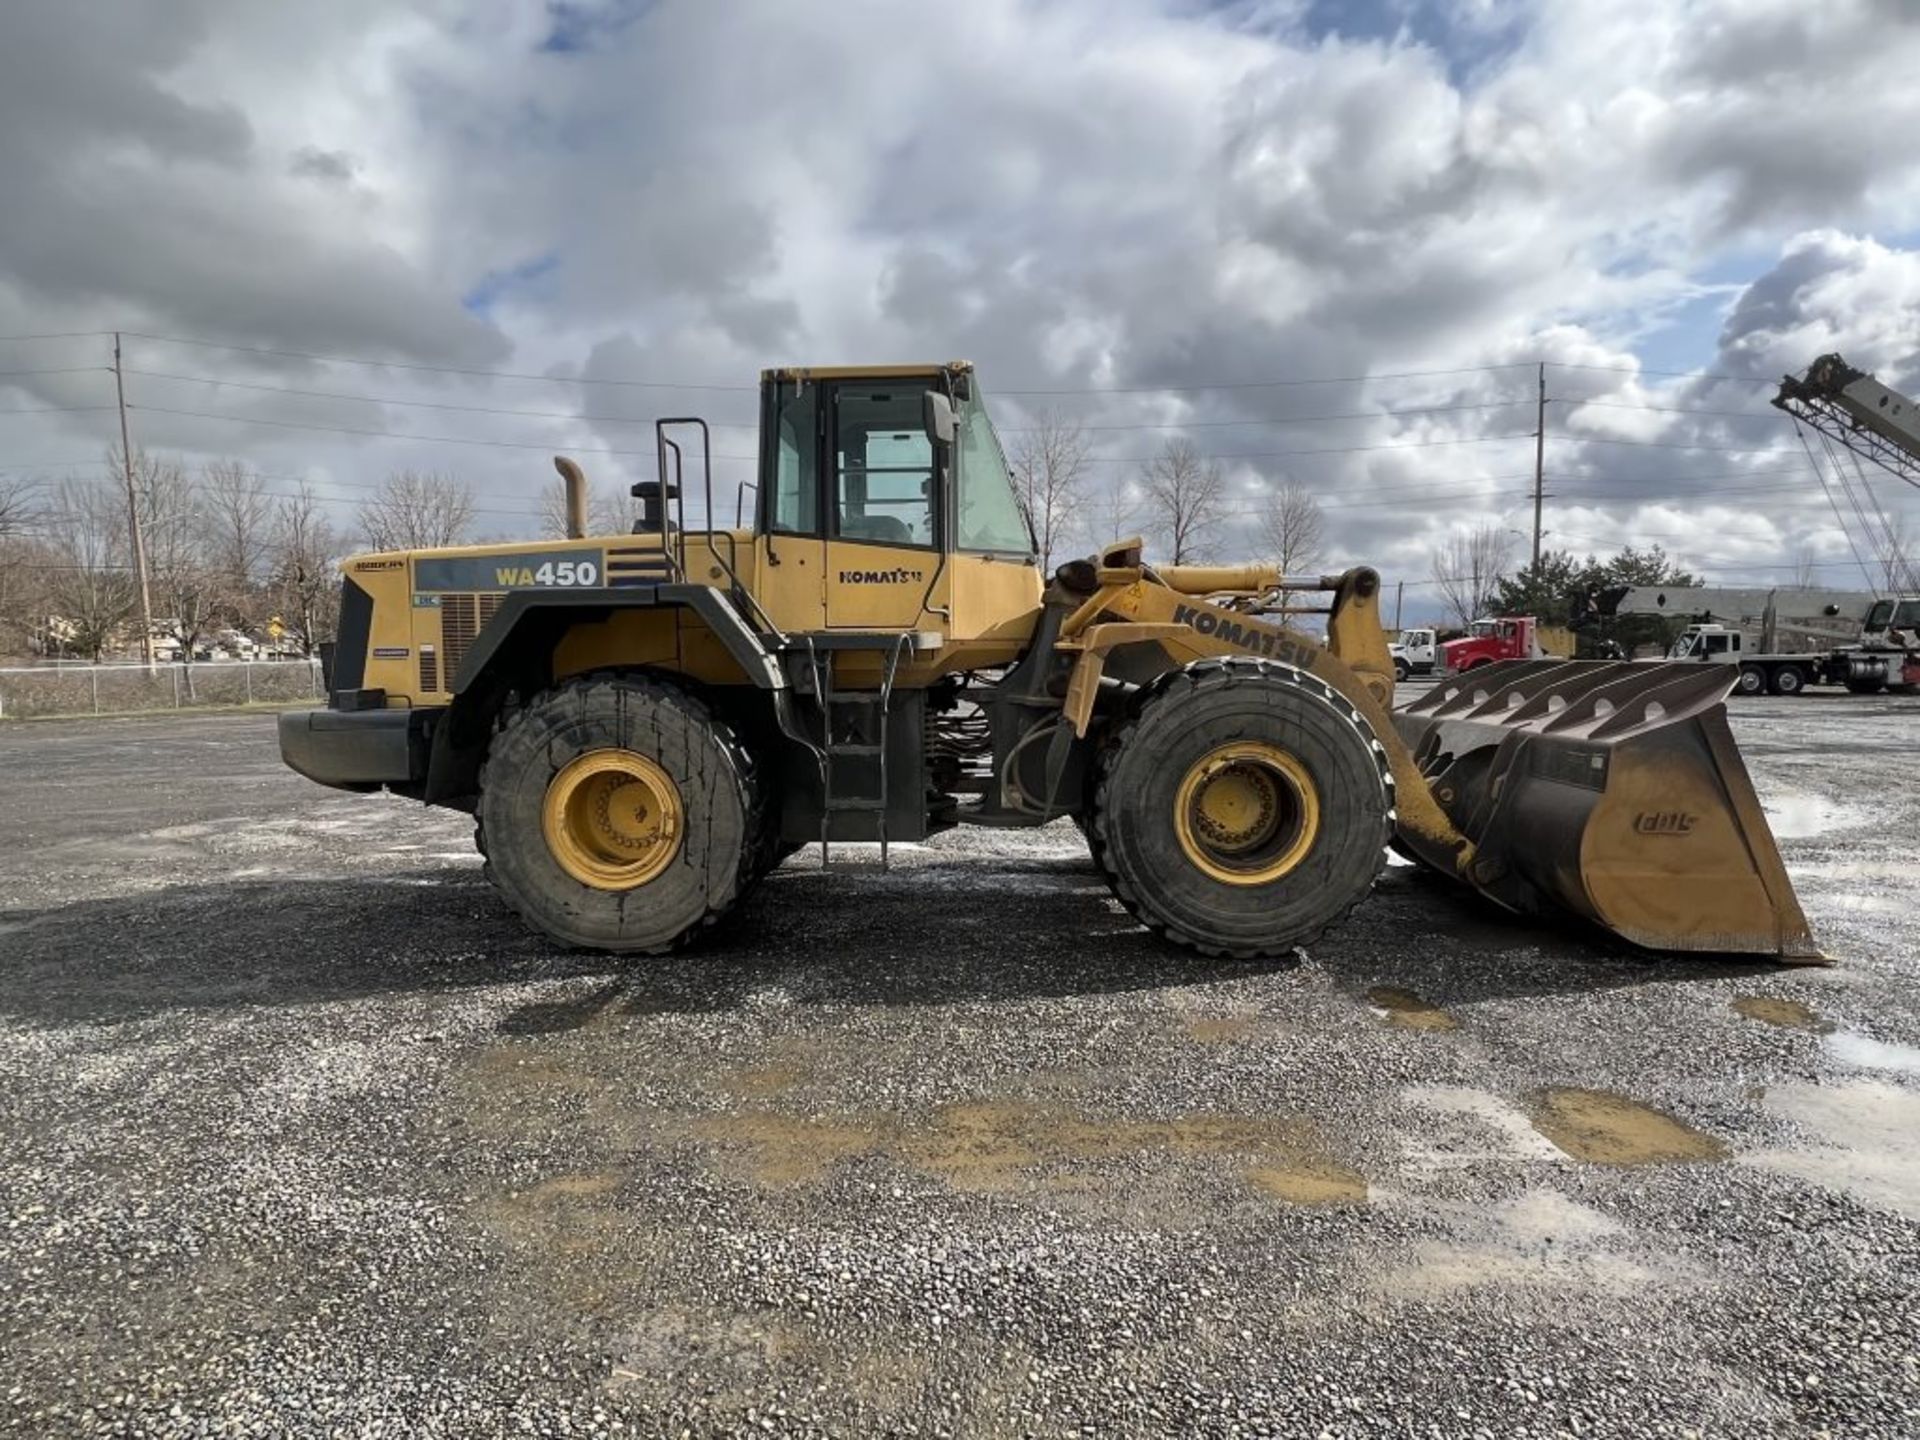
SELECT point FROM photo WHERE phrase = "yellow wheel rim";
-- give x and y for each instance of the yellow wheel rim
(1247, 813)
(613, 819)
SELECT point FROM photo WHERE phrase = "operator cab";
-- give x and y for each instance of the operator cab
(886, 503)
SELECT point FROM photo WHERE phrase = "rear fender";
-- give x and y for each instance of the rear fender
(521, 649)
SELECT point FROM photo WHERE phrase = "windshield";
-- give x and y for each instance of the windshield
(990, 517)
(1481, 627)
(1682, 647)
(1879, 615)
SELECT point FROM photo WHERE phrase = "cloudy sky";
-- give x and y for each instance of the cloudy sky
(1324, 241)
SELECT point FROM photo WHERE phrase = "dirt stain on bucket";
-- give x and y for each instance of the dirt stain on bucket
(1405, 1010)
(1608, 1129)
(1787, 1014)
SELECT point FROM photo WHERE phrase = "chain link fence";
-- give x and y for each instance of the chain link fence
(40, 690)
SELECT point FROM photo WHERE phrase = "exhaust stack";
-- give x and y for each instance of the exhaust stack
(576, 482)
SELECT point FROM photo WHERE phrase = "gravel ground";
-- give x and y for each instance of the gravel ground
(304, 1136)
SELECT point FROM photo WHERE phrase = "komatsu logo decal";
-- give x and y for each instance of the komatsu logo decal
(1254, 639)
(1664, 822)
(882, 577)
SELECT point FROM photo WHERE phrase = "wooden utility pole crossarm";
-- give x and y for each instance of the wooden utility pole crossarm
(133, 511)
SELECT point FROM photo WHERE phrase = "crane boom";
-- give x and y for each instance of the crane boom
(1849, 406)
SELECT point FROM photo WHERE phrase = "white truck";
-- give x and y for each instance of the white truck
(1862, 669)
(1414, 653)
(1759, 673)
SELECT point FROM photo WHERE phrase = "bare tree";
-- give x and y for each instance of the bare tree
(1466, 567)
(190, 590)
(1293, 528)
(1183, 495)
(18, 508)
(239, 535)
(304, 549)
(90, 593)
(417, 510)
(608, 511)
(1113, 513)
(23, 563)
(1806, 567)
(1050, 475)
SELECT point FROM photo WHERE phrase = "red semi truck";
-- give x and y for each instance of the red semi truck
(1510, 637)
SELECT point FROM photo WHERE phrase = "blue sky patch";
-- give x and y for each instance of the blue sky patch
(525, 281)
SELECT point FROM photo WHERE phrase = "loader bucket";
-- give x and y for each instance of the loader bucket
(1612, 791)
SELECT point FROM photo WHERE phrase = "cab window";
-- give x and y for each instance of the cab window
(1718, 644)
(988, 511)
(883, 465)
(795, 508)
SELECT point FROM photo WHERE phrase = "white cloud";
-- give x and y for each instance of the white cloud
(1073, 194)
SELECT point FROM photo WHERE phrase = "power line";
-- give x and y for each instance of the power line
(679, 385)
(1670, 444)
(420, 404)
(605, 450)
(59, 335)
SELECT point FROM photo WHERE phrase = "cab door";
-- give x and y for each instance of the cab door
(883, 507)
(790, 581)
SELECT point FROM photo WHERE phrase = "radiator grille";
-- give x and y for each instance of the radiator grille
(461, 618)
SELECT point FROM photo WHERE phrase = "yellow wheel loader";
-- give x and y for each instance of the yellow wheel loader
(643, 725)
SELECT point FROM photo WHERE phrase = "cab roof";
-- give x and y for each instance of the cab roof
(866, 372)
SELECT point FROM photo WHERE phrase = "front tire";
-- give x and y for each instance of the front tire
(1752, 681)
(1401, 670)
(1244, 810)
(616, 813)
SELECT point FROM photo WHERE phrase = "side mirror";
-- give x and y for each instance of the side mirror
(937, 416)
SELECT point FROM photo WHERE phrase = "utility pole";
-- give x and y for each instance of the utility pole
(1399, 594)
(1539, 467)
(133, 512)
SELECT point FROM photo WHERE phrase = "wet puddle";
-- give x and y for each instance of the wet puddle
(990, 1146)
(1802, 816)
(1863, 1138)
(1868, 1053)
(1786, 1014)
(1608, 1129)
(1405, 1010)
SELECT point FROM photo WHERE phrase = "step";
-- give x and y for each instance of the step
(854, 747)
(867, 805)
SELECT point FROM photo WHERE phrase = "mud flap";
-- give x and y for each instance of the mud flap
(1611, 791)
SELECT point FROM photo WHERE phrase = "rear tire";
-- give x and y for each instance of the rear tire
(1788, 680)
(1752, 681)
(1244, 810)
(574, 893)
